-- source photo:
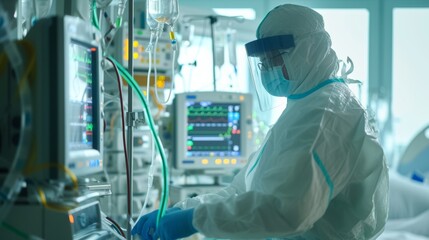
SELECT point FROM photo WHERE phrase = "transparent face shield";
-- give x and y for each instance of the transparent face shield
(267, 67)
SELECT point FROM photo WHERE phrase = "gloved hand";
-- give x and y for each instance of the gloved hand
(146, 225)
(176, 225)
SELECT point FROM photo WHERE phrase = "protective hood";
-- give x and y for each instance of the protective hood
(312, 60)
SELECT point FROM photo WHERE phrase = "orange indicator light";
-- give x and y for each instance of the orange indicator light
(71, 218)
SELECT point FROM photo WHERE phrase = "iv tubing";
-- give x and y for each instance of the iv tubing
(151, 168)
(149, 184)
(94, 15)
(155, 70)
(149, 50)
(13, 182)
(107, 227)
(174, 46)
(127, 160)
(164, 197)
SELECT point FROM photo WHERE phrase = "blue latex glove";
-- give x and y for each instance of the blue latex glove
(176, 225)
(146, 225)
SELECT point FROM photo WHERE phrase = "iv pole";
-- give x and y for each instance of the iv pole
(213, 20)
(130, 112)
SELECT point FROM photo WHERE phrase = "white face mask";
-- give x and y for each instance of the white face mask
(275, 83)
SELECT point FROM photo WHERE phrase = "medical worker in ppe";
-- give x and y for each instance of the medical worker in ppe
(320, 173)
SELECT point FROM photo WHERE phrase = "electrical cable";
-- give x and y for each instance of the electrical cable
(117, 226)
(34, 169)
(111, 225)
(45, 203)
(109, 228)
(131, 81)
(109, 21)
(119, 79)
(113, 27)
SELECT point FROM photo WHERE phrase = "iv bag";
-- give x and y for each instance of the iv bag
(151, 23)
(164, 11)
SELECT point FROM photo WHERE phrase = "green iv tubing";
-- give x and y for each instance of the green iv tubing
(164, 196)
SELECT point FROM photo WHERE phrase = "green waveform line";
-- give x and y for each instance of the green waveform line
(210, 148)
(208, 114)
(85, 77)
(218, 108)
(204, 133)
(83, 58)
(227, 134)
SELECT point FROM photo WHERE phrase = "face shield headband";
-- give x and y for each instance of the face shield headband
(268, 44)
(264, 56)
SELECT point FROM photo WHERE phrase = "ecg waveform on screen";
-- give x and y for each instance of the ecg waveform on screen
(220, 132)
(207, 119)
(208, 114)
(84, 56)
(81, 96)
(206, 148)
(213, 129)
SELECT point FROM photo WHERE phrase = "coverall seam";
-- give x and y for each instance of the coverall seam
(325, 174)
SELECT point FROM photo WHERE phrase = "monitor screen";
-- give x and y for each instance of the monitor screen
(67, 96)
(213, 130)
(82, 95)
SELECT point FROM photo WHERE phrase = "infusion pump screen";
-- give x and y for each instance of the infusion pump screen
(213, 129)
(82, 74)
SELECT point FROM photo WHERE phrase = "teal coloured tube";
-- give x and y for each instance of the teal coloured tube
(134, 85)
(94, 15)
(164, 197)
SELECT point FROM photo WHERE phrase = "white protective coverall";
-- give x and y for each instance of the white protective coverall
(320, 173)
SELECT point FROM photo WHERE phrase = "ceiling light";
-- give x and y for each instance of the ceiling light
(246, 13)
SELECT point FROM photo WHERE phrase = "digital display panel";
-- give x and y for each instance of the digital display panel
(82, 95)
(213, 129)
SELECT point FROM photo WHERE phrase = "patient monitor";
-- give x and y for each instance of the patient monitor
(213, 130)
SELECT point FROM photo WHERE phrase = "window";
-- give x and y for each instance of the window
(349, 30)
(197, 72)
(410, 84)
